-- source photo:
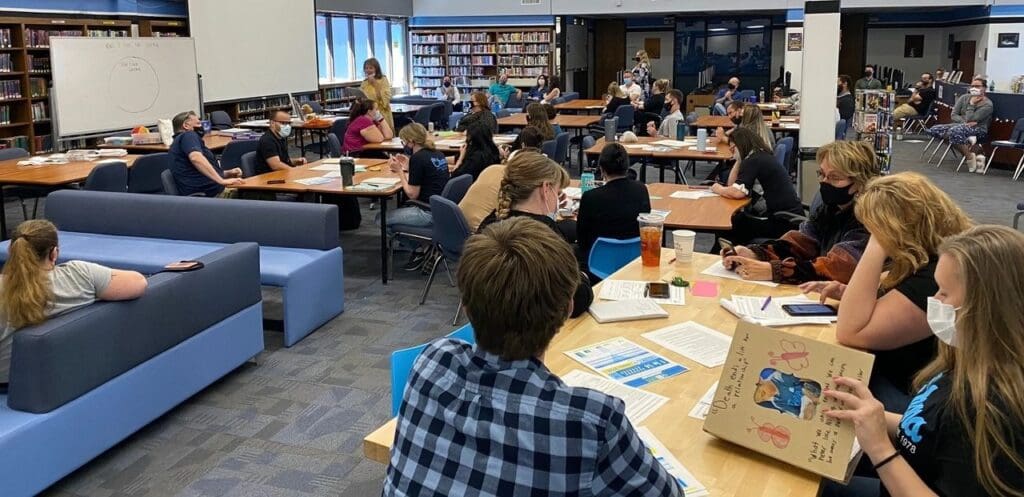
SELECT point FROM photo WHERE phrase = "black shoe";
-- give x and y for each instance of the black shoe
(417, 260)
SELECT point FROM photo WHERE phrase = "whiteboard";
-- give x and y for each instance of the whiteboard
(254, 48)
(107, 84)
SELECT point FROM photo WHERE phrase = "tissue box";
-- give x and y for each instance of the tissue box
(146, 139)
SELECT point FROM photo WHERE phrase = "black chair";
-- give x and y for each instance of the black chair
(422, 115)
(437, 115)
(625, 113)
(1016, 217)
(108, 177)
(338, 128)
(220, 120)
(145, 174)
(453, 191)
(232, 155)
(1016, 141)
(170, 187)
(248, 164)
(23, 192)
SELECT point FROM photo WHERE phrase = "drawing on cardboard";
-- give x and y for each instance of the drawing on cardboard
(777, 435)
(787, 393)
(794, 354)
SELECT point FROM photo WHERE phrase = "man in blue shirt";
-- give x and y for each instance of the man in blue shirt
(193, 164)
(491, 419)
(501, 90)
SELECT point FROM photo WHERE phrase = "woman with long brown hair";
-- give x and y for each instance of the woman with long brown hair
(33, 287)
(537, 116)
(479, 112)
(962, 434)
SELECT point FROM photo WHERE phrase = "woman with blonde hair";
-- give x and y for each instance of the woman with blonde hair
(532, 187)
(964, 430)
(884, 307)
(377, 88)
(642, 72)
(753, 120)
(615, 98)
(33, 287)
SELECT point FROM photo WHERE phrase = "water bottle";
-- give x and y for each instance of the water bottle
(681, 130)
(495, 107)
(702, 139)
(610, 127)
(760, 95)
(587, 181)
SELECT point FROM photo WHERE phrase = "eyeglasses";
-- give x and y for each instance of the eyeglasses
(835, 178)
(977, 86)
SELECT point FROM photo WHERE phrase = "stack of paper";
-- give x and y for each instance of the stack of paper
(639, 404)
(451, 143)
(504, 139)
(693, 341)
(691, 487)
(718, 270)
(626, 362)
(331, 165)
(637, 290)
(674, 143)
(754, 310)
(573, 192)
(40, 160)
(626, 310)
(234, 131)
(693, 194)
(382, 181)
(700, 411)
(318, 180)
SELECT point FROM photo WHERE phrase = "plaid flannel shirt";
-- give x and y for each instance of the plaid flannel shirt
(472, 424)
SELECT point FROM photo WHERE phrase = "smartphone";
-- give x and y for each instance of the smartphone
(183, 266)
(727, 245)
(658, 290)
(276, 182)
(802, 310)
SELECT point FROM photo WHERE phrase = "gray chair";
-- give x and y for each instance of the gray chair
(170, 187)
(516, 102)
(1016, 217)
(232, 155)
(316, 107)
(23, 192)
(333, 145)
(248, 164)
(450, 232)
(786, 159)
(352, 91)
(502, 113)
(422, 115)
(549, 147)
(780, 155)
(220, 120)
(108, 177)
(145, 174)
(454, 190)
(569, 96)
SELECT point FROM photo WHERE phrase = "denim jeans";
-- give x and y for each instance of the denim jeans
(408, 216)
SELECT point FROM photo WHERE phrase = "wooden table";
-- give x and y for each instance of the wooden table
(563, 120)
(320, 126)
(213, 140)
(395, 144)
(580, 105)
(376, 168)
(704, 214)
(727, 470)
(45, 175)
(790, 124)
(719, 153)
(406, 108)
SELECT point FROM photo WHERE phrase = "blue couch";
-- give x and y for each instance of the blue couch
(83, 381)
(299, 244)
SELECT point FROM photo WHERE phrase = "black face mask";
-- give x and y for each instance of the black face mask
(839, 89)
(868, 74)
(736, 120)
(447, 84)
(668, 105)
(833, 196)
(732, 86)
(636, 59)
(199, 130)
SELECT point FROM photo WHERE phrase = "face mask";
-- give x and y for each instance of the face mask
(406, 149)
(636, 59)
(975, 92)
(835, 196)
(942, 320)
(627, 81)
(668, 105)
(541, 84)
(553, 213)
(732, 86)
(839, 89)
(868, 74)
(285, 131)
(736, 120)
(199, 130)
(447, 84)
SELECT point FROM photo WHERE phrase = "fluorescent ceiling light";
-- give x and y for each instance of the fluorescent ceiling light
(718, 29)
(756, 26)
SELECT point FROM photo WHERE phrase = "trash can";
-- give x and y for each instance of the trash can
(807, 174)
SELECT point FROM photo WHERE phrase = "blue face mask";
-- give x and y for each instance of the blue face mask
(285, 131)
(627, 81)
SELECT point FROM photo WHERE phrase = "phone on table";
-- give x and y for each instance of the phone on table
(182, 266)
(658, 290)
(807, 310)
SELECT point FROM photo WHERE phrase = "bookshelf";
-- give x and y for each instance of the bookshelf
(473, 56)
(25, 86)
(874, 123)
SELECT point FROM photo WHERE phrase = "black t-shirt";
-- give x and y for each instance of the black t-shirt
(428, 169)
(927, 97)
(846, 107)
(655, 104)
(271, 146)
(186, 176)
(610, 211)
(615, 103)
(900, 365)
(933, 441)
(779, 194)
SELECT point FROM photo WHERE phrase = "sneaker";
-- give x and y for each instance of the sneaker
(417, 260)
(972, 164)
(980, 160)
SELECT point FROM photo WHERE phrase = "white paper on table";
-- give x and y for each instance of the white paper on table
(332, 174)
(382, 181)
(573, 192)
(257, 122)
(693, 341)
(637, 290)
(233, 131)
(718, 270)
(700, 411)
(791, 125)
(673, 143)
(749, 309)
(319, 180)
(634, 145)
(504, 139)
(451, 142)
(639, 403)
(687, 481)
(661, 213)
(326, 165)
(693, 194)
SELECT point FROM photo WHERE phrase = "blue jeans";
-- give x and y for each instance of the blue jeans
(859, 486)
(408, 216)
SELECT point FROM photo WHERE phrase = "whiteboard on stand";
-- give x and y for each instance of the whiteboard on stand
(108, 84)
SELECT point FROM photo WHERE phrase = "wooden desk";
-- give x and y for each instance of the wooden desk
(719, 153)
(395, 144)
(214, 141)
(376, 168)
(580, 105)
(789, 124)
(45, 175)
(563, 120)
(726, 469)
(705, 214)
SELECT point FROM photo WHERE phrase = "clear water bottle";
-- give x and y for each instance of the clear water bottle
(587, 181)
(760, 95)
(702, 139)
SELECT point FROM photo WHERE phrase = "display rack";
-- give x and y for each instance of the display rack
(474, 56)
(873, 122)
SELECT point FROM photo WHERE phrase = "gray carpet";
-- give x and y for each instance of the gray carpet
(292, 424)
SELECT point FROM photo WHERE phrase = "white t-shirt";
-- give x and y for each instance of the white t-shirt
(633, 92)
(75, 284)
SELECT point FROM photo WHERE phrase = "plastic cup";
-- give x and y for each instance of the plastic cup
(683, 240)
(651, 226)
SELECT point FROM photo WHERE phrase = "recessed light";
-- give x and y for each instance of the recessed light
(718, 29)
(756, 26)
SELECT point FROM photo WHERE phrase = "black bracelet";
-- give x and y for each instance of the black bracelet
(887, 460)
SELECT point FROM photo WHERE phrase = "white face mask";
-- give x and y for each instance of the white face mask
(285, 131)
(975, 91)
(942, 320)
(553, 213)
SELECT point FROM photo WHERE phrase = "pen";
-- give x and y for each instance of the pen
(766, 302)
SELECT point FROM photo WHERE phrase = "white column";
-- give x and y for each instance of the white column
(818, 83)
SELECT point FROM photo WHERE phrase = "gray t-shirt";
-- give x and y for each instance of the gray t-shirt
(669, 123)
(75, 284)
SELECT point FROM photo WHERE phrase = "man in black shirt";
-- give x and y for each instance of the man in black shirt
(272, 150)
(920, 100)
(844, 100)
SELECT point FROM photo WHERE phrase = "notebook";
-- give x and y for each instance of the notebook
(626, 310)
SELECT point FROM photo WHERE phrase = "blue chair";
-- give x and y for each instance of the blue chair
(1016, 141)
(780, 154)
(455, 189)
(718, 110)
(232, 155)
(333, 145)
(23, 192)
(549, 147)
(609, 255)
(786, 159)
(450, 232)
(561, 148)
(248, 164)
(315, 106)
(403, 359)
(559, 100)
(1016, 217)
(502, 113)
(144, 175)
(516, 103)
(338, 128)
(108, 177)
(744, 95)
(170, 187)
(220, 120)
(625, 113)
(841, 129)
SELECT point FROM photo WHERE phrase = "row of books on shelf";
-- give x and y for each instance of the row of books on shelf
(427, 49)
(38, 64)
(525, 49)
(5, 114)
(40, 38)
(531, 36)
(5, 39)
(10, 88)
(427, 61)
(39, 111)
(37, 87)
(471, 49)
(6, 64)
(872, 121)
(262, 105)
(109, 33)
(476, 60)
(334, 93)
(469, 37)
(426, 82)
(428, 71)
(523, 60)
(20, 141)
(465, 71)
(520, 72)
(166, 34)
(433, 38)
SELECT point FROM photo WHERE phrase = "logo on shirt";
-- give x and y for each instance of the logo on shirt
(913, 421)
(440, 163)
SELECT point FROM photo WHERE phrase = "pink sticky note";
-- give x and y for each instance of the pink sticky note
(705, 289)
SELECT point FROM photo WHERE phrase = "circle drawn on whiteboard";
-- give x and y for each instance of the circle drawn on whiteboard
(133, 85)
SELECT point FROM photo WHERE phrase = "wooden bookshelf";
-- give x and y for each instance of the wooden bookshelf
(25, 119)
(163, 28)
(473, 56)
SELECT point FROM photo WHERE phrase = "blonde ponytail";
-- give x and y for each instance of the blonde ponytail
(26, 291)
(417, 134)
(526, 172)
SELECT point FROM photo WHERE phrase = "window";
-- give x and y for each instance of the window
(345, 42)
